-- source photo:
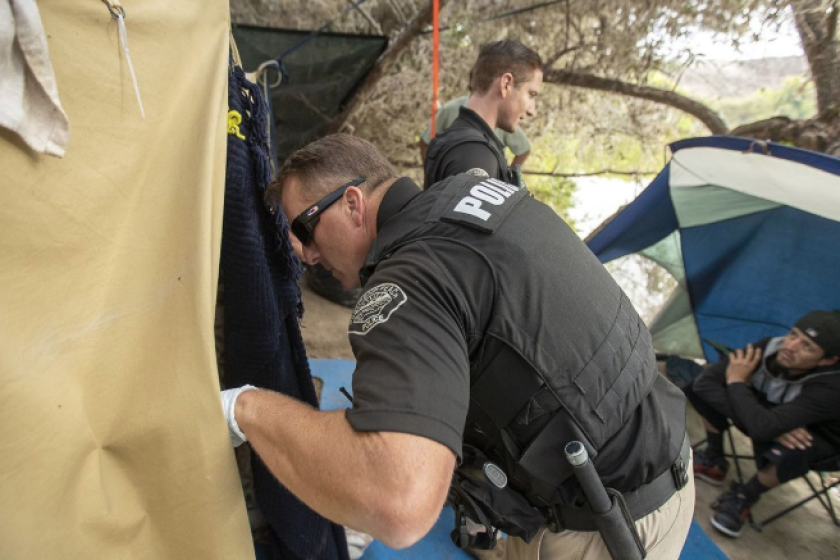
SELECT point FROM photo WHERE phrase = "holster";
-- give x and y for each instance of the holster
(485, 503)
(618, 530)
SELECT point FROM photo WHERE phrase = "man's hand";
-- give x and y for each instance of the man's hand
(229, 397)
(798, 438)
(742, 364)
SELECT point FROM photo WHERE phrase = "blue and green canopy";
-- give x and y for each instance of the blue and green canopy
(751, 232)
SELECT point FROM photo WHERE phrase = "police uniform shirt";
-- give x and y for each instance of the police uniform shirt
(411, 333)
(424, 316)
(473, 157)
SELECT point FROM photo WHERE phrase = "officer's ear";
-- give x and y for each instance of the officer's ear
(356, 202)
(506, 84)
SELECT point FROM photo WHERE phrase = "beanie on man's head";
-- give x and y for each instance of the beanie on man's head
(823, 327)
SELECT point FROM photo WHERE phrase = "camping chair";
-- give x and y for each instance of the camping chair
(832, 464)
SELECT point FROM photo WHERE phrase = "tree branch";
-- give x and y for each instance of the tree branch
(701, 112)
(403, 164)
(588, 174)
(373, 23)
(384, 64)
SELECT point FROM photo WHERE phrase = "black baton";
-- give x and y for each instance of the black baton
(615, 525)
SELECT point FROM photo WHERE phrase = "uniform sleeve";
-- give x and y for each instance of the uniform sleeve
(408, 336)
(817, 403)
(471, 155)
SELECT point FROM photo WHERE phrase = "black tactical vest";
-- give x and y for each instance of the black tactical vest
(564, 356)
(453, 137)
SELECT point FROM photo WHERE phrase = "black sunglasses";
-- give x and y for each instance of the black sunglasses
(304, 225)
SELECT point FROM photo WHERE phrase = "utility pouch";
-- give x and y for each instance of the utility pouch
(618, 530)
(480, 492)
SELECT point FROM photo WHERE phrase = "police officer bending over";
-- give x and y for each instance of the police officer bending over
(504, 84)
(488, 336)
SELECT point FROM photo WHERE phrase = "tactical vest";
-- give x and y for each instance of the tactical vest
(564, 356)
(456, 136)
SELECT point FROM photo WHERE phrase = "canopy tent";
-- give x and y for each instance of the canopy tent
(321, 73)
(751, 232)
(114, 444)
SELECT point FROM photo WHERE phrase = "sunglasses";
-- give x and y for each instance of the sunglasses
(304, 225)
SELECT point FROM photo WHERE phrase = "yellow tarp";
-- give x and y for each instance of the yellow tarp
(112, 440)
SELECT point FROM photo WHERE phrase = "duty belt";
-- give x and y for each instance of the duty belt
(640, 502)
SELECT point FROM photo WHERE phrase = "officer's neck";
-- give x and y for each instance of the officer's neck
(486, 107)
(372, 203)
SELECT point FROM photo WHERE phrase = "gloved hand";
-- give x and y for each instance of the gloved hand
(229, 397)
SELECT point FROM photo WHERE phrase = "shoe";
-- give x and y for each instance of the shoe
(732, 511)
(712, 471)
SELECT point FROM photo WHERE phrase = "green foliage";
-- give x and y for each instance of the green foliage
(557, 192)
(795, 99)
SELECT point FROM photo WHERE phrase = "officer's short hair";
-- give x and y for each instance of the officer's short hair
(501, 57)
(324, 165)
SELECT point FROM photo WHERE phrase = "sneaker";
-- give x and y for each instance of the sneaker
(732, 511)
(712, 471)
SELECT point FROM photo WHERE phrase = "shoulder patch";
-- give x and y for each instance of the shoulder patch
(375, 307)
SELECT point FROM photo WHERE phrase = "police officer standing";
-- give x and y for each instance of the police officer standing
(504, 84)
(488, 337)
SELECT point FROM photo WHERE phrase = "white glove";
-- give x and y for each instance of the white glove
(229, 397)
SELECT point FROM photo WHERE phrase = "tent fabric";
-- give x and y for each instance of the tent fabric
(263, 344)
(320, 77)
(759, 237)
(758, 175)
(114, 444)
(650, 217)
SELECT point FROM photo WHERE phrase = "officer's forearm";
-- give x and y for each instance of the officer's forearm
(356, 479)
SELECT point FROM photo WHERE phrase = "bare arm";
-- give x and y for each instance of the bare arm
(388, 484)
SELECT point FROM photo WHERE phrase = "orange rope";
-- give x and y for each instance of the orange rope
(435, 59)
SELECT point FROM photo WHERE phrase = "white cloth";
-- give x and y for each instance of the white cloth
(29, 104)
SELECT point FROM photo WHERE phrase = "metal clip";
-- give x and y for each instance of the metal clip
(116, 10)
(680, 473)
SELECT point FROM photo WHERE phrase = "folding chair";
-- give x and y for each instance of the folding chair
(823, 494)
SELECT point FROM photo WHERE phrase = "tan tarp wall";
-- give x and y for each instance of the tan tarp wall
(112, 440)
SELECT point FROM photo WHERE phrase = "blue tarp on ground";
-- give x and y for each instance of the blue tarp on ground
(437, 544)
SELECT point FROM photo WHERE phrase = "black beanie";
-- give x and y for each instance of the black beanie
(823, 327)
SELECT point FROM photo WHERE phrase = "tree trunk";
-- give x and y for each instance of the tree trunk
(816, 22)
(698, 110)
(397, 45)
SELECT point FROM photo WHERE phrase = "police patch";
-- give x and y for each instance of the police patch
(375, 307)
(478, 172)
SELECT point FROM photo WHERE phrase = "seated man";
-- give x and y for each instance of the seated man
(783, 393)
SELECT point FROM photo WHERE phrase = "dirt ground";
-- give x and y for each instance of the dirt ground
(807, 533)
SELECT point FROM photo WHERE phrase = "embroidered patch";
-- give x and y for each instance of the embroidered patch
(233, 122)
(478, 172)
(375, 307)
